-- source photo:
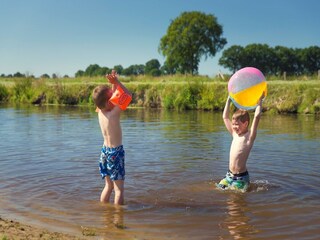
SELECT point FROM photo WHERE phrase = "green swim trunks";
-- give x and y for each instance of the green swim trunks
(232, 181)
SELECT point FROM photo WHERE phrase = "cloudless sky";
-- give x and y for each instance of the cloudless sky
(64, 36)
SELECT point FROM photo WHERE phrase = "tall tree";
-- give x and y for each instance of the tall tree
(260, 56)
(189, 37)
(92, 70)
(135, 69)
(286, 60)
(311, 59)
(153, 67)
(232, 58)
(118, 69)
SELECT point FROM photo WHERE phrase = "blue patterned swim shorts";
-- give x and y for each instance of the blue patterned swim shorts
(235, 181)
(111, 163)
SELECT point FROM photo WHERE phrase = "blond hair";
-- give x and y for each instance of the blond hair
(101, 95)
(241, 115)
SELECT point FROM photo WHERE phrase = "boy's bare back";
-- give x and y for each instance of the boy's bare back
(109, 116)
(109, 121)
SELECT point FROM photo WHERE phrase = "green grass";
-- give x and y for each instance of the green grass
(293, 97)
(180, 92)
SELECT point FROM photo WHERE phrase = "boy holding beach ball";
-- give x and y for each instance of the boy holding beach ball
(243, 136)
(110, 102)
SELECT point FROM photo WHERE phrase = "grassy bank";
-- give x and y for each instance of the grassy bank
(175, 92)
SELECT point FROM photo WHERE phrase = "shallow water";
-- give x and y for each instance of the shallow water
(49, 175)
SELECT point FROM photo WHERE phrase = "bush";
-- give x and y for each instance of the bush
(212, 97)
(4, 93)
(180, 92)
(22, 90)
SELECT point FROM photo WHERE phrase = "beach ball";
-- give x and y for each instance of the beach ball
(246, 86)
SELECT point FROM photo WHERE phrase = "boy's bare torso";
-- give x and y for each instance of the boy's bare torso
(110, 127)
(239, 152)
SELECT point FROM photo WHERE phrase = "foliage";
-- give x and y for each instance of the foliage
(260, 56)
(136, 69)
(180, 92)
(310, 58)
(70, 95)
(22, 90)
(189, 37)
(272, 61)
(118, 69)
(293, 97)
(190, 95)
(4, 93)
(153, 68)
(286, 60)
(295, 62)
(232, 58)
(152, 97)
(45, 76)
(213, 97)
(93, 70)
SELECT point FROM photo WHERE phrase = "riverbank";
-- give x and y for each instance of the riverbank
(14, 230)
(178, 92)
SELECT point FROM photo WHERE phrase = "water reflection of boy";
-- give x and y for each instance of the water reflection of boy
(237, 176)
(111, 163)
(114, 217)
(237, 221)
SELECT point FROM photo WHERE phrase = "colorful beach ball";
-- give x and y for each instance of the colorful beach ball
(246, 87)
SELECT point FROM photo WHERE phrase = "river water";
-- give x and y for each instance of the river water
(49, 175)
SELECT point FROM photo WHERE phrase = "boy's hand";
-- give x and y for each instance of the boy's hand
(263, 95)
(113, 77)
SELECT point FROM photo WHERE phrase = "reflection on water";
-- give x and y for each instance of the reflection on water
(238, 218)
(49, 175)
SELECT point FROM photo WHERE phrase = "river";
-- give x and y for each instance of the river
(49, 175)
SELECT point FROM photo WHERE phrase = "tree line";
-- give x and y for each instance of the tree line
(152, 67)
(272, 60)
(21, 75)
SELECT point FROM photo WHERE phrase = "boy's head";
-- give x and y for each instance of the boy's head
(101, 96)
(240, 121)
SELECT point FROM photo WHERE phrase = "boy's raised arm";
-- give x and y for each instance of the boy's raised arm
(256, 119)
(121, 95)
(225, 116)
(113, 79)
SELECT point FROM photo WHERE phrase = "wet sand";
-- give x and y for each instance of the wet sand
(10, 229)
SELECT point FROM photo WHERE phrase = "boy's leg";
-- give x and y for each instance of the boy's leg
(119, 192)
(107, 190)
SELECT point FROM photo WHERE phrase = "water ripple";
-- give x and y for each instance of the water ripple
(49, 175)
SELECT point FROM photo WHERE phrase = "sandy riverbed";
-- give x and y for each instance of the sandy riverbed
(14, 230)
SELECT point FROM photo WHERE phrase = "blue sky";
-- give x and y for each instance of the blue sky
(64, 36)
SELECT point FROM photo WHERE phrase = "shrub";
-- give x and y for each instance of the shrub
(4, 93)
(22, 90)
